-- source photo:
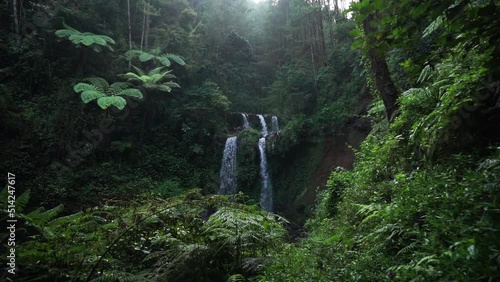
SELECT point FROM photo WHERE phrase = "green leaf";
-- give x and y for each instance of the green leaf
(64, 33)
(357, 44)
(144, 57)
(131, 93)
(80, 87)
(99, 82)
(162, 88)
(106, 102)
(164, 61)
(90, 95)
(356, 32)
(172, 84)
(176, 58)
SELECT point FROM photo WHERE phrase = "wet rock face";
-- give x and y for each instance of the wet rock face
(315, 162)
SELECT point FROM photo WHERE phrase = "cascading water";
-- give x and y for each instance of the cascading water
(246, 125)
(228, 170)
(264, 125)
(274, 124)
(266, 195)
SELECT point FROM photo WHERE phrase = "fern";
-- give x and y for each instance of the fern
(105, 94)
(152, 80)
(155, 54)
(236, 278)
(88, 39)
(21, 201)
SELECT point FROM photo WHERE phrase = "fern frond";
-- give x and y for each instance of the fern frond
(155, 71)
(162, 87)
(164, 61)
(144, 57)
(425, 74)
(22, 201)
(408, 248)
(98, 82)
(236, 278)
(176, 58)
(64, 33)
(131, 93)
(139, 71)
(39, 218)
(172, 84)
(132, 53)
(106, 102)
(132, 76)
(63, 220)
(116, 87)
(433, 26)
(90, 95)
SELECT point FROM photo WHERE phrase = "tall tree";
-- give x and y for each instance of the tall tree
(379, 68)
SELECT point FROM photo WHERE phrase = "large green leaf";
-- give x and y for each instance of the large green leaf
(99, 82)
(162, 88)
(80, 87)
(155, 70)
(64, 33)
(172, 84)
(106, 102)
(176, 58)
(132, 93)
(132, 53)
(144, 57)
(164, 61)
(88, 39)
(90, 95)
(116, 87)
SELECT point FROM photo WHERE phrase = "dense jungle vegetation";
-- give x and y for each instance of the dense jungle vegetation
(114, 117)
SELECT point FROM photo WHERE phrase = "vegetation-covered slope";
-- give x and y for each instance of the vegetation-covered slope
(422, 202)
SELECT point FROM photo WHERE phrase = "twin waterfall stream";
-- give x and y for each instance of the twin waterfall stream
(228, 171)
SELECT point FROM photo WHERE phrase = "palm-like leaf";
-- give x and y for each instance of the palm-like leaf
(117, 101)
(155, 54)
(88, 39)
(105, 94)
(153, 79)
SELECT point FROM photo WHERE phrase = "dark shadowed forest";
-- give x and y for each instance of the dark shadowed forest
(245, 140)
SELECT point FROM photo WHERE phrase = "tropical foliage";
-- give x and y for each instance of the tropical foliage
(105, 94)
(89, 39)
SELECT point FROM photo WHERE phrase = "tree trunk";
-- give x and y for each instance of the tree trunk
(143, 24)
(322, 45)
(16, 22)
(380, 70)
(146, 36)
(129, 33)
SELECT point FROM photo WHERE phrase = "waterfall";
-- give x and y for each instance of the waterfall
(228, 171)
(246, 125)
(274, 124)
(264, 126)
(266, 195)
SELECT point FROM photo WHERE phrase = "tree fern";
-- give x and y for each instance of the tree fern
(95, 41)
(105, 94)
(155, 54)
(153, 79)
